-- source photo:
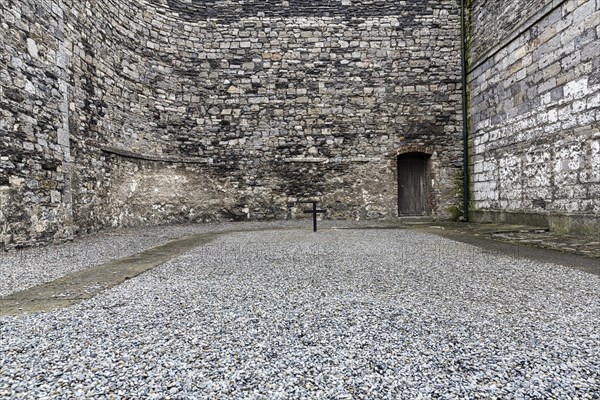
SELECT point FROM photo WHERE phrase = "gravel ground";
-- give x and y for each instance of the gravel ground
(341, 314)
(23, 269)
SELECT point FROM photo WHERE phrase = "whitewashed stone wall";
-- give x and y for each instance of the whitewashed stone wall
(534, 113)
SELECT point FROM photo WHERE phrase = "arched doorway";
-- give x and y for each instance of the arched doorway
(413, 187)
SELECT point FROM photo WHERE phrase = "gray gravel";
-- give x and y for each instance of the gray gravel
(23, 269)
(341, 314)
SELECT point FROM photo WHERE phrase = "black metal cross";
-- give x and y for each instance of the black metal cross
(314, 212)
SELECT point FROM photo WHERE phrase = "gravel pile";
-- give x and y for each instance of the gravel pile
(341, 314)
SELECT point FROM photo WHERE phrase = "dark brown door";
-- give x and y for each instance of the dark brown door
(412, 184)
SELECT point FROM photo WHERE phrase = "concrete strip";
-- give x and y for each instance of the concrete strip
(530, 251)
(489, 237)
(84, 285)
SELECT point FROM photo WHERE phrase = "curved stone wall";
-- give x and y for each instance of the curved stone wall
(177, 111)
(275, 105)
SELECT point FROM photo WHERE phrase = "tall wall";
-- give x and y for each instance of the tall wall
(35, 161)
(534, 90)
(161, 110)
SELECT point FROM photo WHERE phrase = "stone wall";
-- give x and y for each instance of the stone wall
(284, 102)
(159, 111)
(534, 112)
(35, 168)
(492, 22)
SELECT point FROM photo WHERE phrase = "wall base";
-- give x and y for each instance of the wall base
(574, 224)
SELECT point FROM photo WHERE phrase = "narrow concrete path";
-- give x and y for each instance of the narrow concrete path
(83, 285)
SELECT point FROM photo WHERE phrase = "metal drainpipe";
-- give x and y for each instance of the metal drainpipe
(463, 56)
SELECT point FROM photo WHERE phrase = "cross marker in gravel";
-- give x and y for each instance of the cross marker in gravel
(314, 212)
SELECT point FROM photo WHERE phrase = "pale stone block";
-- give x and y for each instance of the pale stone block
(577, 88)
(32, 48)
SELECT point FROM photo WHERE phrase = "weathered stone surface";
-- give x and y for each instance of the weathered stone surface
(119, 113)
(218, 109)
(492, 21)
(32, 162)
(534, 115)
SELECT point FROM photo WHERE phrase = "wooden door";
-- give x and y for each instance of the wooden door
(412, 184)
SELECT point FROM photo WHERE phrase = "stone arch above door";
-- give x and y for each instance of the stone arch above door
(416, 148)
